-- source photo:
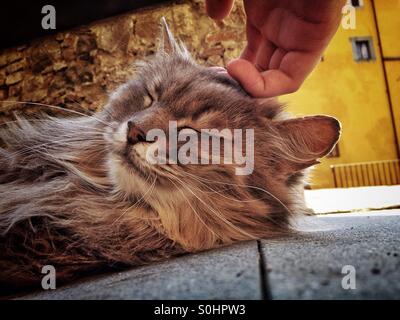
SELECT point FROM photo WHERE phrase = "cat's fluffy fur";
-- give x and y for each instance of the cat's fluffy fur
(74, 196)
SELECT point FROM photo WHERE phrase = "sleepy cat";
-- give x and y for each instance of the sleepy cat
(78, 193)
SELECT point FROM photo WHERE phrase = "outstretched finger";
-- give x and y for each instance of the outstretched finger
(267, 84)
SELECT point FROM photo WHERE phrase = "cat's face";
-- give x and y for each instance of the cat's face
(171, 89)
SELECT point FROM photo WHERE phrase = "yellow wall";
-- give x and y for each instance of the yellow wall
(355, 93)
(388, 14)
(393, 76)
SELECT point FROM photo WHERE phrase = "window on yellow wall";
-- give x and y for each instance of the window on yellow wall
(363, 49)
(356, 3)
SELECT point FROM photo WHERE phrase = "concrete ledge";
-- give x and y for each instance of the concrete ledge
(310, 266)
(225, 273)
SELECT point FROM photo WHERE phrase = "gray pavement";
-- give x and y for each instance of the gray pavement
(305, 266)
(225, 273)
(309, 266)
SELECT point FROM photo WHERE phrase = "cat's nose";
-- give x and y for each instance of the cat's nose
(135, 134)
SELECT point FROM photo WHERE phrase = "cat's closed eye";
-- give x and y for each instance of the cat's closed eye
(188, 129)
(147, 100)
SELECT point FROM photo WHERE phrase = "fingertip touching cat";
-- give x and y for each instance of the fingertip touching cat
(79, 193)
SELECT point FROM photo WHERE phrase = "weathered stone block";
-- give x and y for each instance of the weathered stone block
(59, 65)
(91, 60)
(15, 90)
(16, 66)
(3, 94)
(14, 78)
(2, 76)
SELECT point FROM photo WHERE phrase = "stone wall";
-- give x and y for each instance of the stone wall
(77, 69)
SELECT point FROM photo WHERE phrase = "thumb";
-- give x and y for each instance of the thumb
(218, 9)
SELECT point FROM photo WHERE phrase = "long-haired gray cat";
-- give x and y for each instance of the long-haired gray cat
(77, 193)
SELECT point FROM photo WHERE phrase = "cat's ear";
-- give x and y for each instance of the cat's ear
(307, 139)
(168, 44)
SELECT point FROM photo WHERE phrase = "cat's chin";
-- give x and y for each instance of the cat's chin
(127, 175)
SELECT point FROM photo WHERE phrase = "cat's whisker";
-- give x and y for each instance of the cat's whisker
(7, 123)
(149, 190)
(213, 191)
(190, 205)
(60, 142)
(196, 178)
(93, 131)
(257, 199)
(11, 102)
(81, 106)
(56, 108)
(218, 214)
(247, 186)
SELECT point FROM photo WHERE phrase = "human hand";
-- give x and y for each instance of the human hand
(285, 41)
